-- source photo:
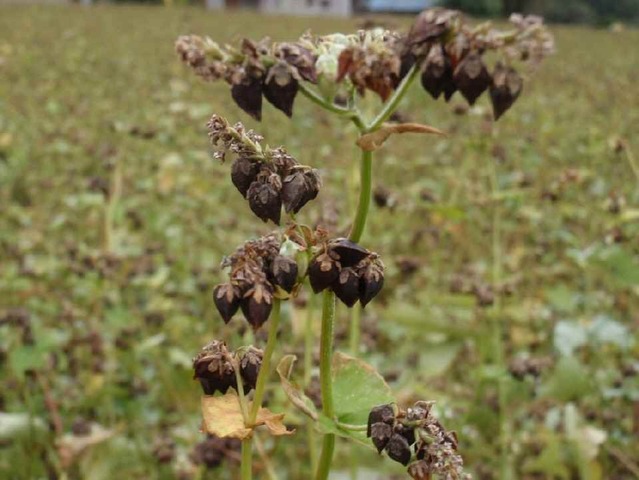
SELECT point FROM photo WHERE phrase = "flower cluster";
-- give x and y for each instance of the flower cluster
(351, 271)
(416, 437)
(258, 270)
(267, 178)
(215, 367)
(448, 53)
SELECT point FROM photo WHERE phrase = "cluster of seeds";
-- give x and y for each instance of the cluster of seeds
(351, 271)
(255, 70)
(448, 52)
(257, 270)
(267, 178)
(416, 439)
(215, 366)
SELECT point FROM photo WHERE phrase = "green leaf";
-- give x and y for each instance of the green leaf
(357, 388)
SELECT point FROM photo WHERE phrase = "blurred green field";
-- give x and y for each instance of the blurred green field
(99, 319)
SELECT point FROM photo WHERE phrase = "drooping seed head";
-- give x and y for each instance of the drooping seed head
(284, 272)
(471, 77)
(398, 449)
(244, 172)
(505, 89)
(227, 300)
(250, 365)
(346, 287)
(323, 271)
(257, 304)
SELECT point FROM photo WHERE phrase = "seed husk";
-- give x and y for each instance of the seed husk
(398, 449)
(346, 287)
(227, 300)
(471, 77)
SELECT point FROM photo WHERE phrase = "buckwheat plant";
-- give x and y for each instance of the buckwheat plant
(447, 55)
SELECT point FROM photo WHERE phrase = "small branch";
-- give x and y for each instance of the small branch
(391, 105)
(266, 361)
(314, 97)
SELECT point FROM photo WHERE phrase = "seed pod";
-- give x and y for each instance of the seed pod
(299, 188)
(247, 94)
(257, 304)
(381, 433)
(227, 300)
(244, 172)
(323, 271)
(213, 369)
(437, 74)
(280, 88)
(381, 413)
(398, 449)
(471, 77)
(250, 365)
(284, 272)
(371, 275)
(407, 432)
(348, 253)
(301, 59)
(505, 89)
(265, 201)
(346, 287)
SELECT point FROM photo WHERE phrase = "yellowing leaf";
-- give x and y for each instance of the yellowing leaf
(223, 418)
(374, 140)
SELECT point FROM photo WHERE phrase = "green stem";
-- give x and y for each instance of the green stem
(265, 369)
(326, 352)
(365, 187)
(331, 107)
(393, 102)
(356, 316)
(247, 460)
(506, 469)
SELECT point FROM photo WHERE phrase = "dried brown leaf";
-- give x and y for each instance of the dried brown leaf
(372, 141)
(222, 416)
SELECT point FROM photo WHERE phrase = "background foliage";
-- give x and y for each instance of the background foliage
(99, 329)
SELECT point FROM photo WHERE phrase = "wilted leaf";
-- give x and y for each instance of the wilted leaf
(223, 418)
(292, 390)
(374, 140)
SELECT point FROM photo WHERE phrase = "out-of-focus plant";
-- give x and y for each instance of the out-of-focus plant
(333, 71)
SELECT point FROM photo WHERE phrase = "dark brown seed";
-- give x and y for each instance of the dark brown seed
(227, 300)
(380, 435)
(349, 253)
(505, 89)
(257, 304)
(346, 287)
(250, 365)
(244, 172)
(381, 413)
(265, 201)
(398, 449)
(407, 432)
(322, 272)
(471, 77)
(280, 88)
(371, 281)
(248, 96)
(284, 272)
(299, 188)
(437, 74)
